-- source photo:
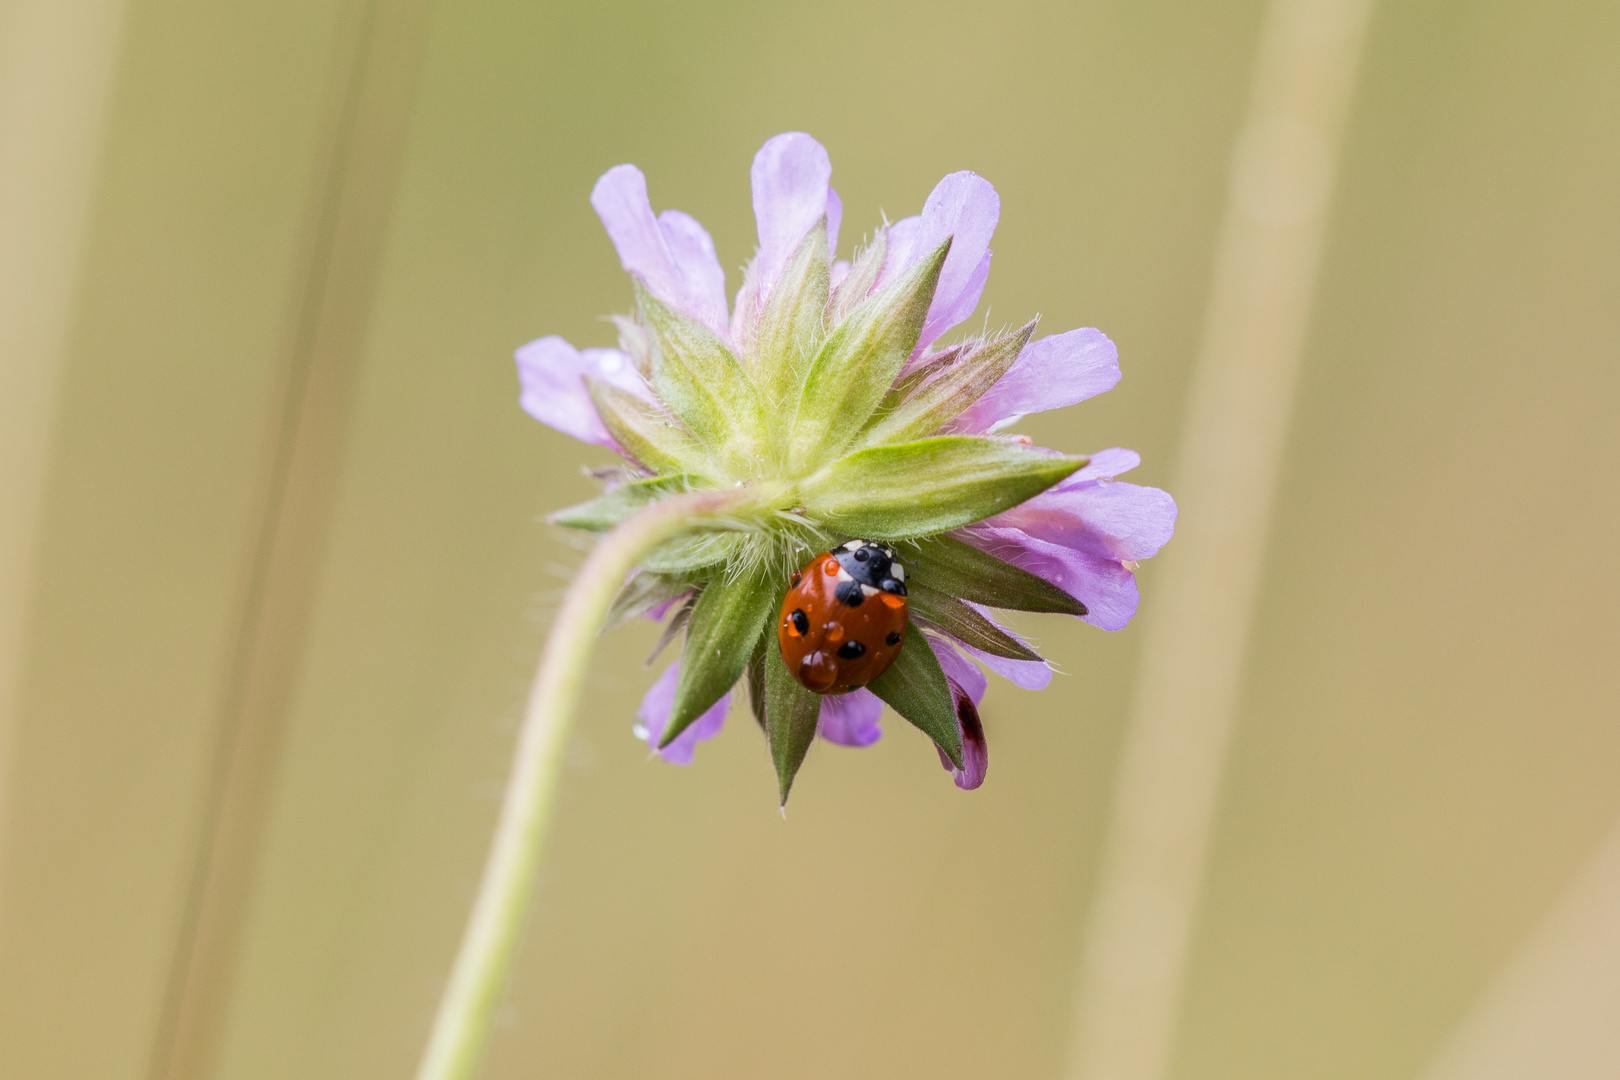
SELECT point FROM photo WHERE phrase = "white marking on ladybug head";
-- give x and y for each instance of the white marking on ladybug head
(854, 545)
(898, 572)
(868, 590)
(843, 575)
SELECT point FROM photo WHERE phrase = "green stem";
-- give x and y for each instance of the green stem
(461, 1029)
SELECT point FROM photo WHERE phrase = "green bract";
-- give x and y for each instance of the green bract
(824, 416)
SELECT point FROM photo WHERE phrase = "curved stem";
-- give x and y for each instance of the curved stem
(467, 1009)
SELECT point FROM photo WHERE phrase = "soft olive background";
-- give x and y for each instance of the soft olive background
(291, 575)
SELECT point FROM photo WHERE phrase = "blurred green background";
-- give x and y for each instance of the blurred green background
(289, 576)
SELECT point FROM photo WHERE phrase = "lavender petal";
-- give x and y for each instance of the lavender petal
(653, 717)
(790, 182)
(851, 719)
(672, 255)
(551, 377)
(1063, 369)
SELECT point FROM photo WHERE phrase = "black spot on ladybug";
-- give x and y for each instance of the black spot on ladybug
(890, 585)
(850, 593)
(862, 554)
(852, 650)
(801, 621)
(892, 639)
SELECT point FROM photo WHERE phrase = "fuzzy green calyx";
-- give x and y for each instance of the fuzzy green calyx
(820, 413)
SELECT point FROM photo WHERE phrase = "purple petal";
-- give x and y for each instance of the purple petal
(1085, 537)
(653, 716)
(851, 719)
(840, 271)
(1050, 373)
(1110, 517)
(1028, 674)
(1101, 583)
(975, 751)
(657, 614)
(903, 249)
(790, 176)
(551, 375)
(942, 318)
(965, 206)
(1103, 465)
(671, 254)
(959, 670)
(967, 685)
(693, 251)
(835, 218)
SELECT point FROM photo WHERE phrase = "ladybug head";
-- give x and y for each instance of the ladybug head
(874, 565)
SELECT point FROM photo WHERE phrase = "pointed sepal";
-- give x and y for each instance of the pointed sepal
(607, 510)
(791, 714)
(793, 324)
(948, 565)
(646, 432)
(702, 382)
(920, 488)
(964, 623)
(857, 284)
(859, 361)
(756, 680)
(726, 622)
(915, 687)
(946, 394)
(672, 629)
(642, 594)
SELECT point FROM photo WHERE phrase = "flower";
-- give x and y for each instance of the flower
(823, 395)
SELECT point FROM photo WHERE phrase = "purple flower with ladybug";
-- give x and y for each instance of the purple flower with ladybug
(866, 513)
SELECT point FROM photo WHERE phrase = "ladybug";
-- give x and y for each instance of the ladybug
(844, 618)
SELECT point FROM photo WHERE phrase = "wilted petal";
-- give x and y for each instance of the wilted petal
(672, 254)
(551, 374)
(958, 669)
(789, 176)
(965, 206)
(851, 719)
(653, 717)
(1055, 371)
(968, 685)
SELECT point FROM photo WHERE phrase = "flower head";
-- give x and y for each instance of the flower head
(821, 393)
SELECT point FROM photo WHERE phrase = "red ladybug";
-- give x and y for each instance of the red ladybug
(844, 618)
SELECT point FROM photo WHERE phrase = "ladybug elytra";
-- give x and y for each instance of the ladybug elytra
(844, 619)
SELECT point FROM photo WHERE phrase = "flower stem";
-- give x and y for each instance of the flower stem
(461, 1029)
